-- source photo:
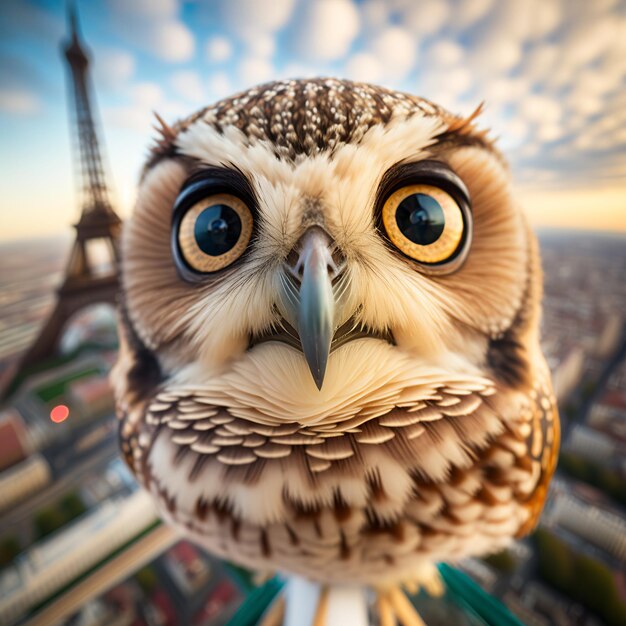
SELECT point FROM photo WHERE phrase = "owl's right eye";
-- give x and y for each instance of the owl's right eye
(214, 232)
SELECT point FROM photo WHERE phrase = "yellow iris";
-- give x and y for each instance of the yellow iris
(424, 222)
(215, 232)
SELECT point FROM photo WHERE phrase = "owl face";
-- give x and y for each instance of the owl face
(403, 233)
(328, 260)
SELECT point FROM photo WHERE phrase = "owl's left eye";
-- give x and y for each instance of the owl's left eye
(424, 222)
(214, 232)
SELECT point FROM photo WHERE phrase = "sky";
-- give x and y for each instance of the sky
(552, 74)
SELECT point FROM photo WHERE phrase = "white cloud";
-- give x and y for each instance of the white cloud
(261, 45)
(591, 81)
(171, 41)
(550, 132)
(540, 61)
(540, 109)
(445, 53)
(153, 25)
(138, 114)
(396, 49)
(188, 86)
(365, 67)
(505, 90)
(240, 16)
(146, 94)
(219, 49)
(326, 29)
(547, 15)
(374, 15)
(446, 86)
(19, 102)
(512, 133)
(584, 103)
(468, 12)
(146, 9)
(510, 20)
(252, 71)
(220, 86)
(113, 68)
(426, 17)
(497, 53)
(589, 41)
(296, 69)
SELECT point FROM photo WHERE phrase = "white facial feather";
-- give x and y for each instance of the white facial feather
(383, 292)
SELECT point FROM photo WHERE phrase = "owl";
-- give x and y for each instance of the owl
(330, 362)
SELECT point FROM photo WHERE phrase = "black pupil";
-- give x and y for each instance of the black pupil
(217, 229)
(420, 218)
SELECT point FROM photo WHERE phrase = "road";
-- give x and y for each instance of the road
(583, 404)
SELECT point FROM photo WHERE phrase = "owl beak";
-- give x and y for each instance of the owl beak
(315, 270)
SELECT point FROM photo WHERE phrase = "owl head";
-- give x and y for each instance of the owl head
(324, 273)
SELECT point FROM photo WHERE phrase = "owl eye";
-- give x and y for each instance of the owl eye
(214, 232)
(425, 223)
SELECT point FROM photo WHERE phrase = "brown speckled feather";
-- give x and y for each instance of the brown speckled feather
(435, 434)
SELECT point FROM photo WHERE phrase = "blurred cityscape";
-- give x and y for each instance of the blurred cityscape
(80, 544)
(75, 531)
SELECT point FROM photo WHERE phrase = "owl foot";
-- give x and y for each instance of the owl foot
(428, 578)
(308, 604)
(394, 608)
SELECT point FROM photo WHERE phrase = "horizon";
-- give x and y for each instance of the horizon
(553, 77)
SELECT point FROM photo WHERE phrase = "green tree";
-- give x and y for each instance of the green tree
(47, 521)
(555, 559)
(72, 505)
(147, 579)
(503, 561)
(9, 548)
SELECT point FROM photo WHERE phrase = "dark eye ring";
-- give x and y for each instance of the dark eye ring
(214, 232)
(423, 222)
(424, 211)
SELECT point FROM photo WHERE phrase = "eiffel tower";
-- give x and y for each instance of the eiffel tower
(97, 230)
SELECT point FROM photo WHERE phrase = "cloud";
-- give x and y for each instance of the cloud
(153, 25)
(375, 14)
(496, 53)
(325, 29)
(146, 9)
(547, 16)
(262, 46)
(550, 132)
(589, 41)
(137, 114)
(445, 87)
(244, 16)
(188, 86)
(19, 102)
(540, 109)
(113, 68)
(20, 17)
(364, 67)
(468, 12)
(505, 90)
(445, 53)
(252, 71)
(147, 94)
(540, 61)
(396, 49)
(220, 86)
(426, 17)
(219, 49)
(170, 40)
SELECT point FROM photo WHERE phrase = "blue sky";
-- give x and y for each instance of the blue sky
(552, 74)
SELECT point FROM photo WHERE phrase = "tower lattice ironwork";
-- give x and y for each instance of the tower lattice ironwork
(87, 279)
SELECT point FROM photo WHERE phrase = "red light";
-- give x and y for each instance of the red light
(59, 413)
